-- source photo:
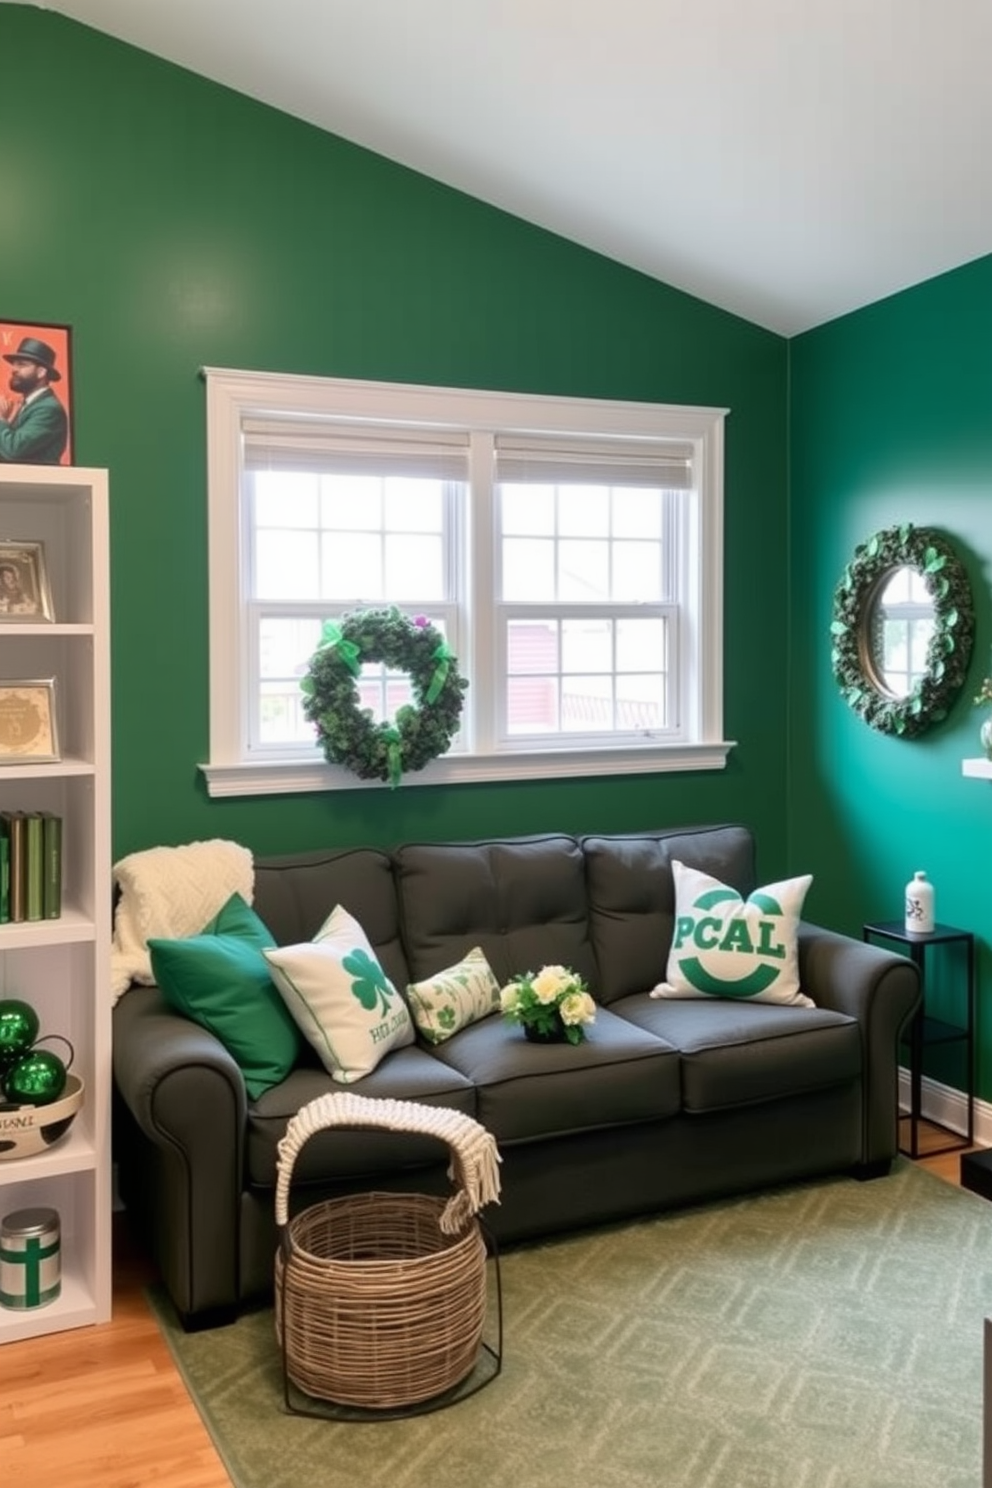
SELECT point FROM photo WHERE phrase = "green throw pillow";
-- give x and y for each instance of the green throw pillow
(726, 946)
(220, 979)
(453, 998)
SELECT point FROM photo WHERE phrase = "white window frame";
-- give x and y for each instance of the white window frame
(234, 396)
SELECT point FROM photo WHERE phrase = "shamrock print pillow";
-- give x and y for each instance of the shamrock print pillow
(455, 997)
(340, 997)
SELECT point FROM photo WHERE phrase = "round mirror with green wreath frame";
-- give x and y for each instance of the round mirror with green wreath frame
(902, 698)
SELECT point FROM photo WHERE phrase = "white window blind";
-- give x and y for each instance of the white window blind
(595, 462)
(305, 445)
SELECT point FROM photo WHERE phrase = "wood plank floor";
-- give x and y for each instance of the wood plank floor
(104, 1407)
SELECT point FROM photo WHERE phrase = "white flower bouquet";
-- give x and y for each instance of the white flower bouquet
(553, 1006)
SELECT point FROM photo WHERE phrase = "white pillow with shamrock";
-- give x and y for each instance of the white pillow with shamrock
(455, 997)
(726, 946)
(340, 997)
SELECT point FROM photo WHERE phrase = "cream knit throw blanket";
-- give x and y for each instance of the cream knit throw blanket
(474, 1155)
(171, 893)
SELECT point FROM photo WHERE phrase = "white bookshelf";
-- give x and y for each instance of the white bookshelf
(61, 966)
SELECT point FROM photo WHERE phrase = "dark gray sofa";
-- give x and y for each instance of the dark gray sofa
(667, 1103)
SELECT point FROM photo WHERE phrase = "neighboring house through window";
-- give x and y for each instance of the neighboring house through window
(570, 551)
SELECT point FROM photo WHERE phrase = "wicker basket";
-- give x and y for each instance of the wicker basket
(376, 1305)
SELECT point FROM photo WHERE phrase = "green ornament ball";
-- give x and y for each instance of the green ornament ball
(18, 1029)
(36, 1079)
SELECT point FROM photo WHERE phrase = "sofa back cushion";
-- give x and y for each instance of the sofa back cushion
(521, 899)
(631, 895)
(295, 893)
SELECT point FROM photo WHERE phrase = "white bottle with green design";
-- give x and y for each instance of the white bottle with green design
(919, 905)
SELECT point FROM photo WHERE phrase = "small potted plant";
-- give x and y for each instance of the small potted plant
(552, 1007)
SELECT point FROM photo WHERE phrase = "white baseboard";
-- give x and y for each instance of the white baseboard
(948, 1107)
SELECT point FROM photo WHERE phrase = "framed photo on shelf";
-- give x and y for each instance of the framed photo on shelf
(25, 595)
(36, 423)
(28, 722)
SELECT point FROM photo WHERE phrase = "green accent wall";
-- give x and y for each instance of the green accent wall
(176, 224)
(892, 422)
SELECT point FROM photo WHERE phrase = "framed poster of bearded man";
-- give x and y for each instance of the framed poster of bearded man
(35, 394)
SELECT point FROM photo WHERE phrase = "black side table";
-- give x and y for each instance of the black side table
(924, 1030)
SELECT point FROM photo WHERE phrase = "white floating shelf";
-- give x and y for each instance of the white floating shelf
(979, 769)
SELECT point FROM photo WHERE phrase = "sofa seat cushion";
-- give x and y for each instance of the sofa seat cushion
(526, 1091)
(408, 1074)
(735, 1054)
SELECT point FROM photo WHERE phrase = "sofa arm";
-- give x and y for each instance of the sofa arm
(181, 1158)
(882, 990)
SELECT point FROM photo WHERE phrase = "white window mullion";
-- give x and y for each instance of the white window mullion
(484, 699)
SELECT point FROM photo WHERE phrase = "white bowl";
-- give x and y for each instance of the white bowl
(27, 1130)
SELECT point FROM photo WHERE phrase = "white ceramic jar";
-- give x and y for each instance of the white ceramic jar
(919, 905)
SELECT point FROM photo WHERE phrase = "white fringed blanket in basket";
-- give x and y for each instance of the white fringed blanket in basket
(381, 1297)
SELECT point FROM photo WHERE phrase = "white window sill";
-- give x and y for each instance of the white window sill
(290, 777)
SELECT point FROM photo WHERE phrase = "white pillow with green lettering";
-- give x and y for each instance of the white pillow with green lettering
(454, 998)
(340, 997)
(726, 946)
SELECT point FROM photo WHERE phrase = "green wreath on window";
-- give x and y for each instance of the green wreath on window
(348, 733)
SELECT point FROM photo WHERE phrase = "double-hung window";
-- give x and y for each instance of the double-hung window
(569, 550)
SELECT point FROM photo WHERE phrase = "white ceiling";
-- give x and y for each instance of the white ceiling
(789, 160)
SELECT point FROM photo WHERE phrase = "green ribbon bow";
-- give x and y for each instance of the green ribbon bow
(331, 635)
(394, 755)
(443, 656)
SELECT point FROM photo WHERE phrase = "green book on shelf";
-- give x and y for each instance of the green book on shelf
(51, 904)
(34, 866)
(13, 822)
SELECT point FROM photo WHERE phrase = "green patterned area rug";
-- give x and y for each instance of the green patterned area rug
(823, 1336)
